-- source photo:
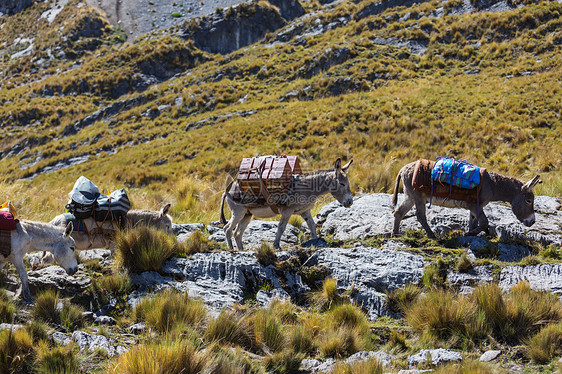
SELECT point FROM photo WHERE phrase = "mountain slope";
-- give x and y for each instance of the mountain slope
(384, 83)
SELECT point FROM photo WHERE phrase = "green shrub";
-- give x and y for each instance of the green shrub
(16, 351)
(169, 310)
(57, 360)
(266, 255)
(143, 248)
(371, 366)
(45, 308)
(546, 344)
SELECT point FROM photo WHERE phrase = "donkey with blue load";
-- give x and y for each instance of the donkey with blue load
(420, 188)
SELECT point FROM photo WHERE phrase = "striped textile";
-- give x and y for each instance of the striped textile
(5, 242)
(457, 173)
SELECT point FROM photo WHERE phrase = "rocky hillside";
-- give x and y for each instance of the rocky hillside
(165, 98)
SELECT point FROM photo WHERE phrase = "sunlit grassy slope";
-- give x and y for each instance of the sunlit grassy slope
(486, 90)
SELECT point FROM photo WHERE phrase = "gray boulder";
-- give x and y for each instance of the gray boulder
(547, 277)
(371, 215)
(60, 338)
(260, 231)
(434, 356)
(465, 282)
(384, 358)
(91, 343)
(371, 271)
(99, 254)
(56, 278)
(490, 356)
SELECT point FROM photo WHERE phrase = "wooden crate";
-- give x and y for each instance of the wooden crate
(276, 173)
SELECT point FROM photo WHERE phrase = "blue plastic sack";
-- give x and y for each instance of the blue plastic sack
(455, 172)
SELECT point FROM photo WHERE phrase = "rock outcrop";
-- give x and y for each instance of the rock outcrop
(258, 232)
(228, 30)
(547, 277)
(14, 6)
(56, 278)
(371, 215)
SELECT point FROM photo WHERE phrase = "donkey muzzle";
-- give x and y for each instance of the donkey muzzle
(348, 202)
(72, 270)
(529, 221)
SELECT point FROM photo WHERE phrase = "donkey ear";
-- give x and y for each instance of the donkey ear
(337, 164)
(346, 166)
(68, 229)
(165, 209)
(531, 184)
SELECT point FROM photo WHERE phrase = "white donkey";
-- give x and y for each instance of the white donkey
(101, 234)
(31, 236)
(304, 190)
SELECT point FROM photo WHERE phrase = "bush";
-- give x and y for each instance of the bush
(170, 310)
(45, 308)
(170, 357)
(266, 254)
(371, 366)
(144, 248)
(57, 360)
(16, 351)
(228, 327)
(546, 344)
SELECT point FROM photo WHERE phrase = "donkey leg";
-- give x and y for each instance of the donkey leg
(479, 221)
(422, 218)
(400, 213)
(472, 222)
(285, 215)
(307, 216)
(239, 231)
(20, 268)
(230, 225)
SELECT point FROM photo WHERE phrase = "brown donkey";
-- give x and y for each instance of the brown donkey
(493, 187)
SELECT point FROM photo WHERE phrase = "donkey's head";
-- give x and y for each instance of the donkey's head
(63, 251)
(522, 203)
(339, 187)
(164, 220)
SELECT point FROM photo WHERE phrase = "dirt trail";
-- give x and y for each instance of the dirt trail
(138, 17)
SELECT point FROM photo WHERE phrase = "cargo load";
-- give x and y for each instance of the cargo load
(267, 174)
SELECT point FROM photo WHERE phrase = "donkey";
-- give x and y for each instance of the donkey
(40, 236)
(302, 194)
(493, 187)
(101, 234)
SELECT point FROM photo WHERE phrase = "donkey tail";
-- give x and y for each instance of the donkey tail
(223, 218)
(396, 188)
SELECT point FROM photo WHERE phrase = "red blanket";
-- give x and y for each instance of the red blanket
(7, 221)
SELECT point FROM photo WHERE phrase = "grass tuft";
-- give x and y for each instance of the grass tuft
(400, 299)
(266, 254)
(57, 360)
(284, 362)
(7, 308)
(464, 264)
(170, 310)
(267, 330)
(546, 344)
(16, 351)
(143, 248)
(45, 308)
(229, 328)
(371, 366)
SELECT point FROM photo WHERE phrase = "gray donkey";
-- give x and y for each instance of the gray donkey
(303, 191)
(493, 187)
